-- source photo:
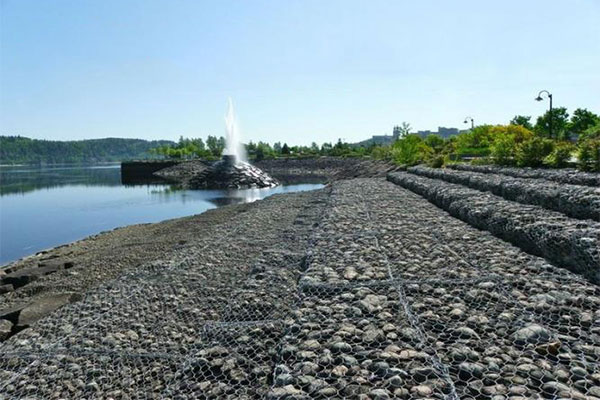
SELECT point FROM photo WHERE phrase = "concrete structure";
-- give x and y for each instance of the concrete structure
(442, 131)
(396, 133)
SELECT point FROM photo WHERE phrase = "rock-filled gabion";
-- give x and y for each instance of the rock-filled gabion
(358, 291)
(576, 201)
(229, 173)
(570, 176)
(203, 323)
(570, 243)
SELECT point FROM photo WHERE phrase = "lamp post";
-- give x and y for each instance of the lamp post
(472, 123)
(539, 98)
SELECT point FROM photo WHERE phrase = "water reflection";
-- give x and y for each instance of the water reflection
(45, 207)
(24, 179)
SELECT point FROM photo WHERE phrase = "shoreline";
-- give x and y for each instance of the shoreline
(358, 268)
(49, 279)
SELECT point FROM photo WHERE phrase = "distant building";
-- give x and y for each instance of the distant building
(396, 132)
(447, 132)
(381, 139)
(424, 134)
(442, 131)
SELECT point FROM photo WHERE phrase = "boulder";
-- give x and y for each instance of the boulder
(28, 275)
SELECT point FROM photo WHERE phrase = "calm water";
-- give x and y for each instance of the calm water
(46, 207)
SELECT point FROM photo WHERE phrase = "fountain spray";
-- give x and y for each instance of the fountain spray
(233, 144)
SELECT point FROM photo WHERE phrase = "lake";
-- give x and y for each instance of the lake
(42, 207)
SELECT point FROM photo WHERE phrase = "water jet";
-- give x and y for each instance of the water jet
(232, 171)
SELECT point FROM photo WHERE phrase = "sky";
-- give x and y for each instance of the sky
(298, 71)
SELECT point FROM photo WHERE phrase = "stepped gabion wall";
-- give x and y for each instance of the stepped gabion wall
(562, 240)
(570, 176)
(576, 201)
(368, 294)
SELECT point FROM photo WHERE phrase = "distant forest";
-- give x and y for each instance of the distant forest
(22, 150)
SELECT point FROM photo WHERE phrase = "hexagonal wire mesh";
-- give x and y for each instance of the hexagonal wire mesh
(353, 319)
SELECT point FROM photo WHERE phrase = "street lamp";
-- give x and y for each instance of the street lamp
(539, 98)
(472, 123)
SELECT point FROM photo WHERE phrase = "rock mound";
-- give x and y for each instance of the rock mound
(182, 171)
(229, 174)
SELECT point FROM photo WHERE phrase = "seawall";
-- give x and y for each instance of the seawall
(134, 172)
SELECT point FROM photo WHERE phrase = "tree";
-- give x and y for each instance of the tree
(220, 145)
(589, 155)
(522, 120)
(263, 151)
(506, 139)
(560, 119)
(593, 132)
(561, 155)
(581, 120)
(436, 142)
(285, 149)
(532, 152)
(314, 148)
(404, 129)
(410, 150)
(503, 150)
(259, 155)
(475, 142)
(251, 149)
(340, 149)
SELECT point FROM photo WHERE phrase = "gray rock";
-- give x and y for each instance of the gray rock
(287, 392)
(5, 329)
(532, 334)
(341, 347)
(6, 288)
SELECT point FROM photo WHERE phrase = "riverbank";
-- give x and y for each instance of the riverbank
(52, 278)
(286, 170)
(359, 289)
(57, 276)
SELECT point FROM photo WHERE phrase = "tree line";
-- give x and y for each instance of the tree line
(519, 143)
(23, 150)
(213, 147)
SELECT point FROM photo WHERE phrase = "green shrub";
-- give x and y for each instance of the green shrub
(560, 156)
(593, 132)
(382, 153)
(507, 138)
(531, 153)
(588, 153)
(477, 138)
(436, 142)
(437, 161)
(410, 150)
(503, 150)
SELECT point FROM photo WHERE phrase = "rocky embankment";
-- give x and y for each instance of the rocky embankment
(565, 241)
(290, 170)
(33, 287)
(577, 201)
(360, 290)
(231, 174)
(566, 175)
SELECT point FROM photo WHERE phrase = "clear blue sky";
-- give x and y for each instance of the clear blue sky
(298, 71)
